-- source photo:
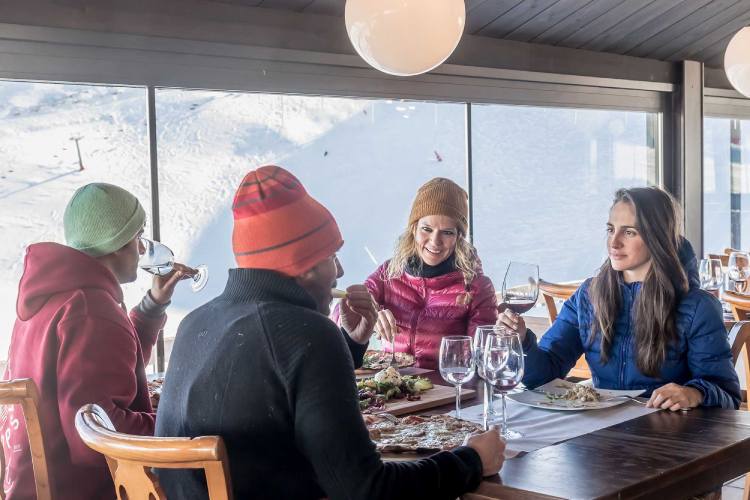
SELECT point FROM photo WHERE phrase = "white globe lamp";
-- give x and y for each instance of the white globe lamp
(737, 61)
(405, 37)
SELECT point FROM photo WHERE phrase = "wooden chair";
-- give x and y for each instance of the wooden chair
(739, 303)
(24, 392)
(550, 292)
(723, 257)
(739, 339)
(130, 458)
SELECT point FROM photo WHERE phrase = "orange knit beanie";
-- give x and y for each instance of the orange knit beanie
(278, 226)
(441, 196)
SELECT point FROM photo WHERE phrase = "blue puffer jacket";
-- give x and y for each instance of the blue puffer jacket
(701, 358)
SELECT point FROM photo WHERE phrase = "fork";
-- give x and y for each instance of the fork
(393, 362)
(631, 398)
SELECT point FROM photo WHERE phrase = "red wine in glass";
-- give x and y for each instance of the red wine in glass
(519, 306)
(506, 384)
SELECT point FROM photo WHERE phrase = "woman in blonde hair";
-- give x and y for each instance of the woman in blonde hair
(643, 322)
(433, 286)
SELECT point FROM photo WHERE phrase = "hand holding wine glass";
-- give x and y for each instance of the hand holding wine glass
(158, 260)
(457, 363)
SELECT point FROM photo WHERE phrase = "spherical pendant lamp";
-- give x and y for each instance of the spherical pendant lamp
(405, 37)
(737, 61)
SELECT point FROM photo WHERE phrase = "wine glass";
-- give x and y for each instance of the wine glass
(738, 270)
(503, 367)
(520, 286)
(158, 259)
(457, 363)
(711, 275)
(480, 340)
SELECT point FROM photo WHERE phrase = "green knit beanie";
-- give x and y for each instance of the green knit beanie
(102, 218)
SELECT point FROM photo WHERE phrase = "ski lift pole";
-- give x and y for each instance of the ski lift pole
(78, 149)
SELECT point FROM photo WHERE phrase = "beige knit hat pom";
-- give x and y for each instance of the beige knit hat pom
(441, 196)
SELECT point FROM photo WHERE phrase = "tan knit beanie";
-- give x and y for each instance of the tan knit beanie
(441, 196)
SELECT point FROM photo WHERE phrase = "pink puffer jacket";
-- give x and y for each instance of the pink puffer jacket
(428, 309)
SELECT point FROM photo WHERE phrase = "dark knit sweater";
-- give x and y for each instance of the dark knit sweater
(259, 366)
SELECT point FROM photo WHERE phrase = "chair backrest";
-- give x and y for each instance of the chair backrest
(551, 291)
(24, 392)
(723, 257)
(739, 339)
(130, 458)
(739, 303)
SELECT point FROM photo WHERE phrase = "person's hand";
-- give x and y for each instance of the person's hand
(358, 313)
(490, 447)
(675, 397)
(514, 322)
(386, 325)
(162, 287)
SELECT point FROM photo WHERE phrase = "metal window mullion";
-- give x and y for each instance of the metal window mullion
(469, 175)
(155, 225)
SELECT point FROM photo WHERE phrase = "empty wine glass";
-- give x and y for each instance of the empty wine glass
(520, 286)
(504, 367)
(480, 340)
(711, 275)
(738, 270)
(158, 259)
(457, 363)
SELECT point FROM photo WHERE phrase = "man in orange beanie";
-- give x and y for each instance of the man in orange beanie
(265, 368)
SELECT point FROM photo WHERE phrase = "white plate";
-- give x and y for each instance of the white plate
(557, 386)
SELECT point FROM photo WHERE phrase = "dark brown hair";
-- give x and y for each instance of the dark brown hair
(659, 224)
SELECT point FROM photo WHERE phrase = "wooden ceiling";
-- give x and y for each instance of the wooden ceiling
(668, 30)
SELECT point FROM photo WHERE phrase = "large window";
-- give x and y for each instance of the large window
(40, 125)
(363, 159)
(543, 182)
(726, 184)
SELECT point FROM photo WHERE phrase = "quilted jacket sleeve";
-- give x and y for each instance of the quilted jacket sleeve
(559, 348)
(710, 357)
(483, 310)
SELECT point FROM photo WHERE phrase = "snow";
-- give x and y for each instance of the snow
(543, 179)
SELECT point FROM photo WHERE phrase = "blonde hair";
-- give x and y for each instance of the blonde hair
(466, 259)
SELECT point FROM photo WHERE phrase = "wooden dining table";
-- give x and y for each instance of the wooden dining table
(662, 455)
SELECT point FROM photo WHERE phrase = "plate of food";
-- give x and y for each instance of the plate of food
(154, 390)
(563, 395)
(417, 434)
(378, 360)
(389, 385)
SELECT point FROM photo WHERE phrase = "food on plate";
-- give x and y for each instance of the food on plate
(580, 393)
(418, 434)
(388, 384)
(154, 390)
(378, 360)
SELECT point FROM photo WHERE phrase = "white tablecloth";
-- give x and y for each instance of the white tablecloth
(542, 428)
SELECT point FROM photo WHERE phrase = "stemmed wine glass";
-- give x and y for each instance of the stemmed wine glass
(158, 259)
(457, 363)
(503, 367)
(738, 269)
(520, 286)
(480, 340)
(711, 275)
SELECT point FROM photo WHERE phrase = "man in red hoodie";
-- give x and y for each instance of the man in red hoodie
(74, 338)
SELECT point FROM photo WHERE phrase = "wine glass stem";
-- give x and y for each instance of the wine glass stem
(488, 408)
(504, 429)
(458, 400)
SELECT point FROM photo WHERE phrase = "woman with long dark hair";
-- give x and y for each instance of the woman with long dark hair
(643, 322)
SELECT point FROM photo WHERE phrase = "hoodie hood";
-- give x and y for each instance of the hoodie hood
(689, 262)
(51, 268)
